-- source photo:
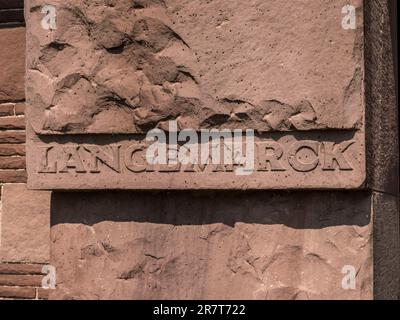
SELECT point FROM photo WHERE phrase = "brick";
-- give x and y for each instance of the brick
(12, 123)
(13, 176)
(19, 109)
(17, 293)
(12, 64)
(13, 280)
(12, 163)
(43, 294)
(21, 269)
(12, 137)
(12, 150)
(6, 109)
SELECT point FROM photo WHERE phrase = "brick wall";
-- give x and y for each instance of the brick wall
(24, 214)
(22, 281)
(12, 143)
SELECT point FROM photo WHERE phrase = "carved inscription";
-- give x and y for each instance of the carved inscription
(271, 156)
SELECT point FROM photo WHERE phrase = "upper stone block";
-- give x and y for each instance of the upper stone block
(127, 66)
(101, 74)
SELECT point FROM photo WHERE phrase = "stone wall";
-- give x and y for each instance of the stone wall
(24, 215)
(202, 244)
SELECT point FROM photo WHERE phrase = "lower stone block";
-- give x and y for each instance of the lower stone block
(183, 245)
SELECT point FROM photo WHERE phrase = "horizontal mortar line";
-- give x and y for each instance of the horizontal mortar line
(13, 101)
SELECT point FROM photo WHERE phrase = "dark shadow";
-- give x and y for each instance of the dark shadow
(299, 210)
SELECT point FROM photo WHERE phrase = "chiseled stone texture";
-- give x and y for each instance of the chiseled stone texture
(386, 246)
(184, 245)
(25, 225)
(123, 66)
(12, 64)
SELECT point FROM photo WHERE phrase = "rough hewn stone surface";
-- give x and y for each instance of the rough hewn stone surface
(210, 246)
(128, 66)
(119, 67)
(25, 220)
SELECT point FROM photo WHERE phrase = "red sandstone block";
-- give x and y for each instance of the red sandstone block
(12, 163)
(6, 109)
(12, 123)
(17, 293)
(13, 176)
(21, 269)
(12, 150)
(12, 280)
(12, 137)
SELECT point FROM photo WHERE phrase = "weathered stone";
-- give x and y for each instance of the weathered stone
(299, 161)
(12, 64)
(223, 64)
(25, 223)
(258, 245)
(17, 293)
(114, 70)
(132, 67)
